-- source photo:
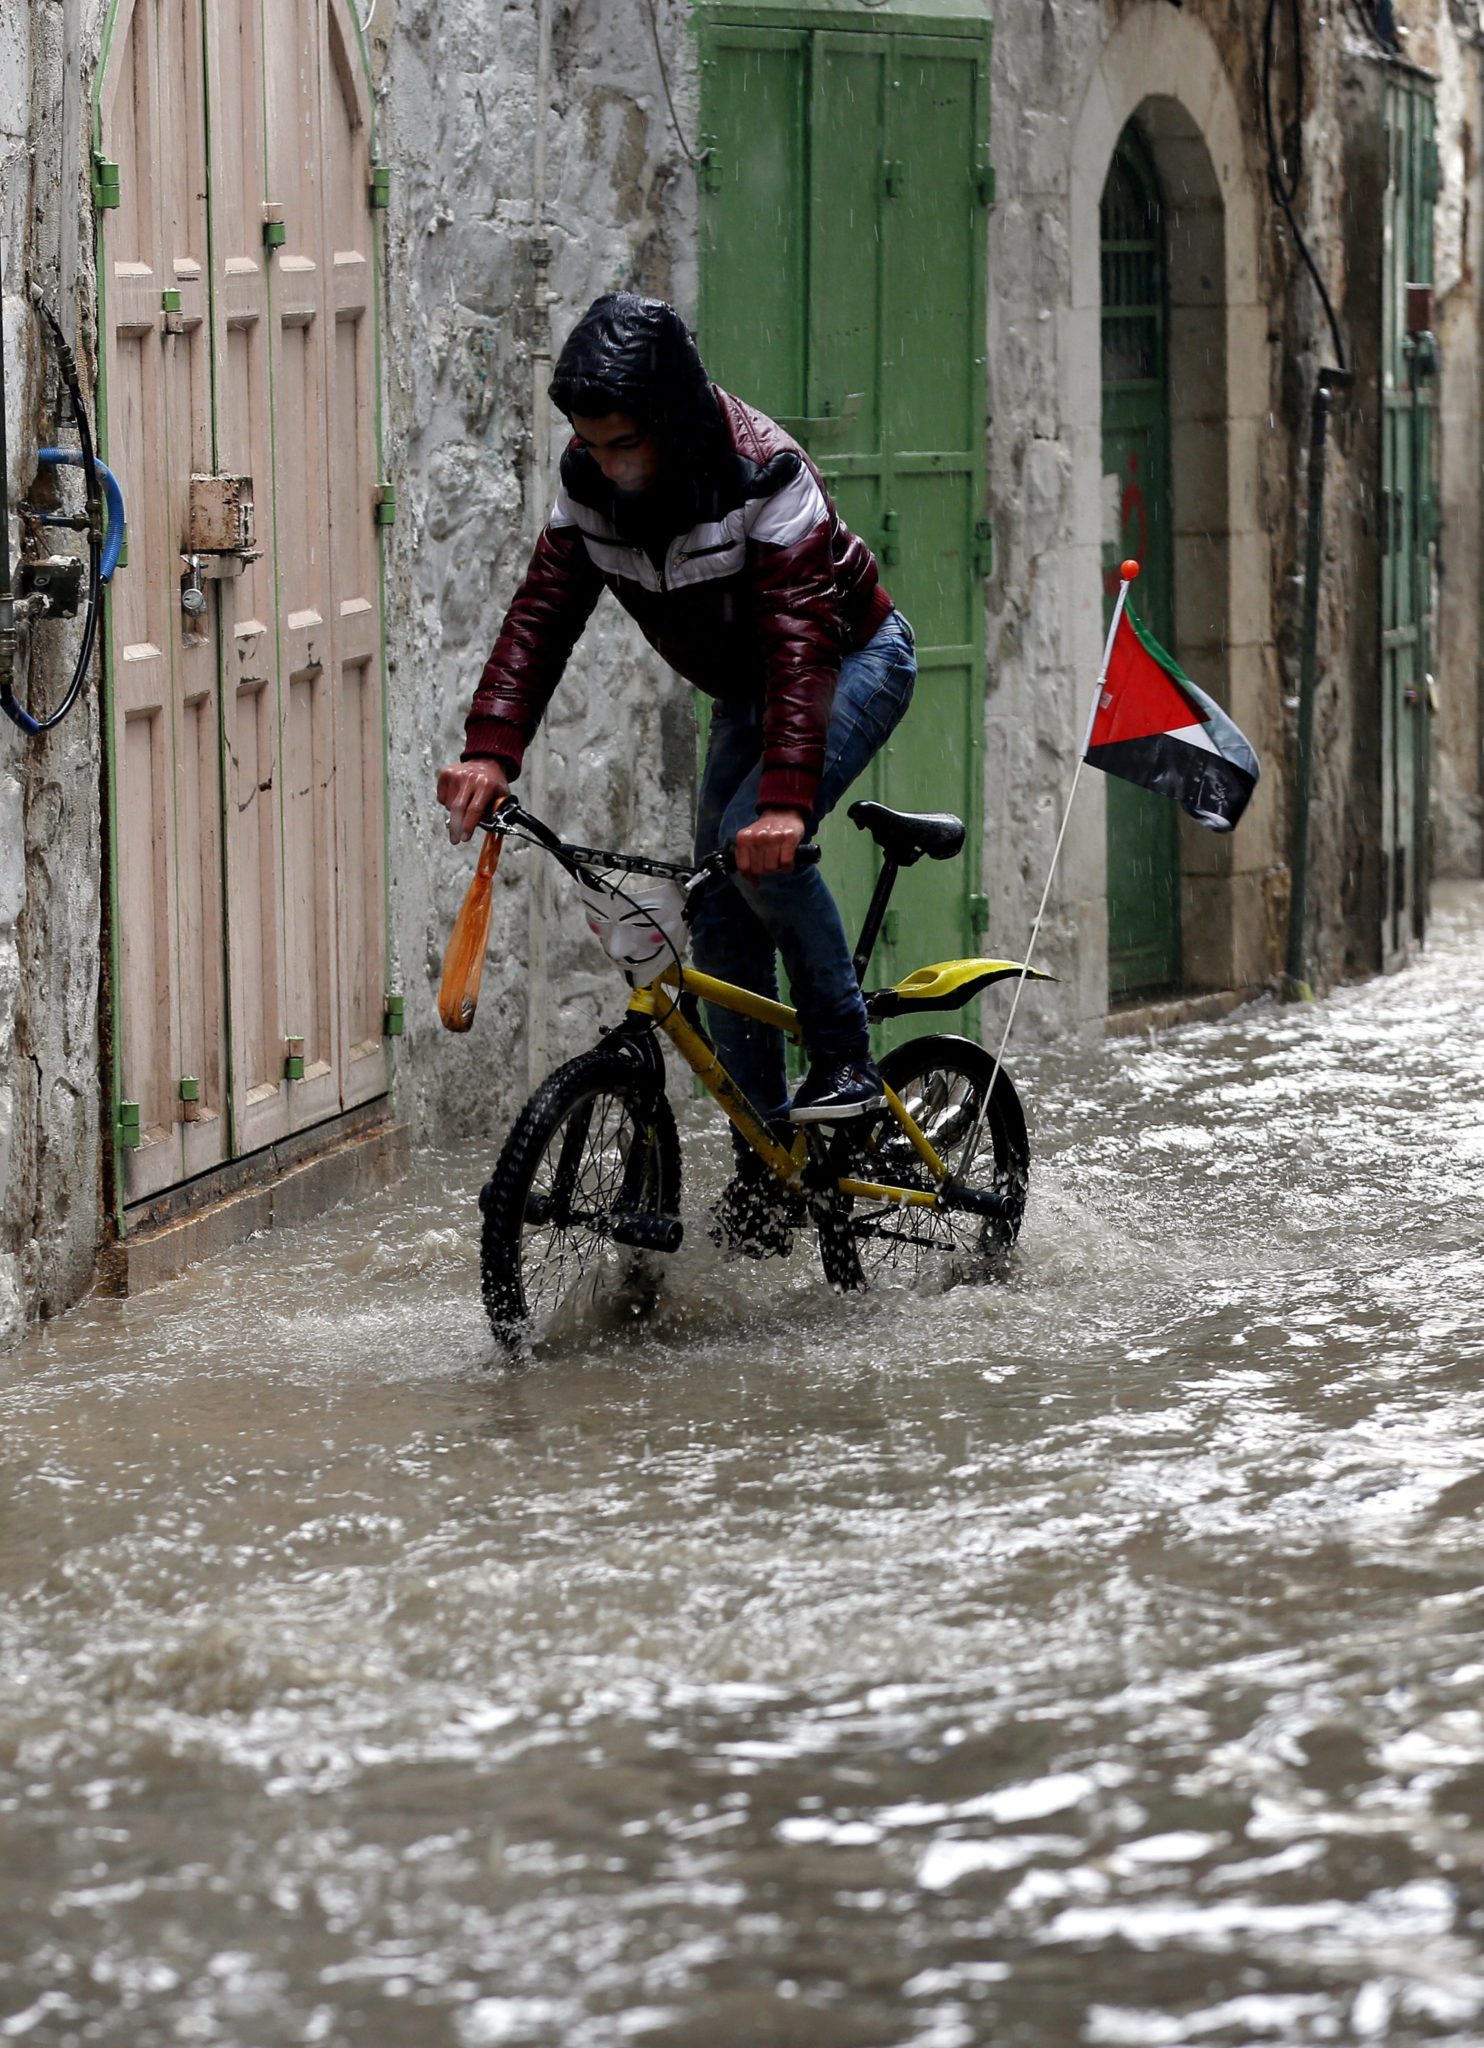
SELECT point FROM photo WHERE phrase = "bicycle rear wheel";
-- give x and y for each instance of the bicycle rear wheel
(943, 1081)
(596, 1143)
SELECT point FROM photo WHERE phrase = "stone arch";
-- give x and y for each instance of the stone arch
(1161, 70)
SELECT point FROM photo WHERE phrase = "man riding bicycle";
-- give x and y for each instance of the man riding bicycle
(714, 531)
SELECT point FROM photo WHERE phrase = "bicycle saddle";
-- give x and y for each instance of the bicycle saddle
(904, 836)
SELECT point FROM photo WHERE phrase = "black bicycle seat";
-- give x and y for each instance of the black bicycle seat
(904, 836)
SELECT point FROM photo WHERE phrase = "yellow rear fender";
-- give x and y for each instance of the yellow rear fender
(947, 985)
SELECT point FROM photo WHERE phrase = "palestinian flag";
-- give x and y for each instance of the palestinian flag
(1154, 727)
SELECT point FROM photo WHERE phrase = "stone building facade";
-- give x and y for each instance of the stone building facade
(543, 151)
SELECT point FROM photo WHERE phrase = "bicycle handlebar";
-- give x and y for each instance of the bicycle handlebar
(512, 816)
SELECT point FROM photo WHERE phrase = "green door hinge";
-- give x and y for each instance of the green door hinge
(394, 1021)
(893, 177)
(708, 171)
(890, 927)
(386, 503)
(105, 182)
(978, 915)
(293, 1059)
(890, 523)
(983, 547)
(381, 185)
(128, 1125)
(190, 1099)
(984, 184)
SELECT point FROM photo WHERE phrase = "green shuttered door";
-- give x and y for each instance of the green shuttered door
(843, 292)
(1408, 511)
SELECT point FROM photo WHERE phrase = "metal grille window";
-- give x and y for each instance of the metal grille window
(1132, 267)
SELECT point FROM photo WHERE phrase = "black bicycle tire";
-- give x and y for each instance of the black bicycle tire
(503, 1199)
(1003, 1126)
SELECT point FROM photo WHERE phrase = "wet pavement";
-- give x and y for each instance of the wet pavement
(1093, 1657)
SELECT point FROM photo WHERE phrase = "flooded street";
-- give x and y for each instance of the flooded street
(1093, 1657)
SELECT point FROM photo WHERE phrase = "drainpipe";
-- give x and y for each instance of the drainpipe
(7, 600)
(1296, 984)
(540, 899)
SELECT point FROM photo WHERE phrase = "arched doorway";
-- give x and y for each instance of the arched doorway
(1157, 65)
(245, 720)
(1144, 954)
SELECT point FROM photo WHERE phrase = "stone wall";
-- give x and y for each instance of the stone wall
(51, 1196)
(473, 441)
(1458, 800)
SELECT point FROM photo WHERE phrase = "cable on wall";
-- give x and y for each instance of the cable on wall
(1284, 183)
(654, 30)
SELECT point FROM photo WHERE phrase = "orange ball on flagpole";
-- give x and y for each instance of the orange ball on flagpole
(1129, 571)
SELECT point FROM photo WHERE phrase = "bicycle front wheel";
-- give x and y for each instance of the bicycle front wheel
(594, 1148)
(943, 1082)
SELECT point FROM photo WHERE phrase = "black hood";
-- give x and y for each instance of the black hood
(628, 354)
(633, 355)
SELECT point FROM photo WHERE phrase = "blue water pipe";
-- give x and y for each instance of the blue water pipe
(113, 498)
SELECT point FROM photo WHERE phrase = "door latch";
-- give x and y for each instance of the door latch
(192, 596)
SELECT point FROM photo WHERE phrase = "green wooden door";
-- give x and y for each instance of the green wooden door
(842, 291)
(1143, 830)
(1408, 510)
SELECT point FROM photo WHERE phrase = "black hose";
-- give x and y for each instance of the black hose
(1284, 186)
(26, 720)
(6, 619)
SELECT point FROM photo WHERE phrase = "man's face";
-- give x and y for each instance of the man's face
(628, 454)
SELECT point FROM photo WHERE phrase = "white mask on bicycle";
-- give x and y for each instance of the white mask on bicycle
(637, 919)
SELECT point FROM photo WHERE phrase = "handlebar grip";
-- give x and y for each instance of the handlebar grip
(807, 854)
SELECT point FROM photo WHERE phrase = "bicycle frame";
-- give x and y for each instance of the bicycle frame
(659, 1001)
(947, 985)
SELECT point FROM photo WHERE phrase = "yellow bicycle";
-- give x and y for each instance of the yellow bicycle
(585, 1196)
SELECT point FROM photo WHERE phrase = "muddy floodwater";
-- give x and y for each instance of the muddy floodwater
(1096, 1656)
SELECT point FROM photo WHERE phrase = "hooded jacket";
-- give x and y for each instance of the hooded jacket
(736, 566)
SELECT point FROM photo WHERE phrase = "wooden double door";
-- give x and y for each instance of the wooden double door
(245, 728)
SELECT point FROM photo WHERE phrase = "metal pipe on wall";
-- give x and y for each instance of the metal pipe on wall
(7, 602)
(1296, 982)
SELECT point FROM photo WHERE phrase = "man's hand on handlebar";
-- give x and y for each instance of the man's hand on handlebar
(767, 847)
(468, 791)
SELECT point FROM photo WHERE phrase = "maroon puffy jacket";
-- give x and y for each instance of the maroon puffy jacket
(759, 599)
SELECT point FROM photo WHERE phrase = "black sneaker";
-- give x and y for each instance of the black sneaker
(833, 1094)
(756, 1215)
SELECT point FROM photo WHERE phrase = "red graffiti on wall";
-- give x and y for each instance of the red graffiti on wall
(1133, 520)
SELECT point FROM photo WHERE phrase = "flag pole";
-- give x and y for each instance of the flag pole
(1127, 573)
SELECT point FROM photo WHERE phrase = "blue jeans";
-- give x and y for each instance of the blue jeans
(740, 930)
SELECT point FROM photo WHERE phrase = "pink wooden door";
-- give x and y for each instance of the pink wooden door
(319, 169)
(355, 571)
(247, 740)
(165, 735)
(247, 603)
